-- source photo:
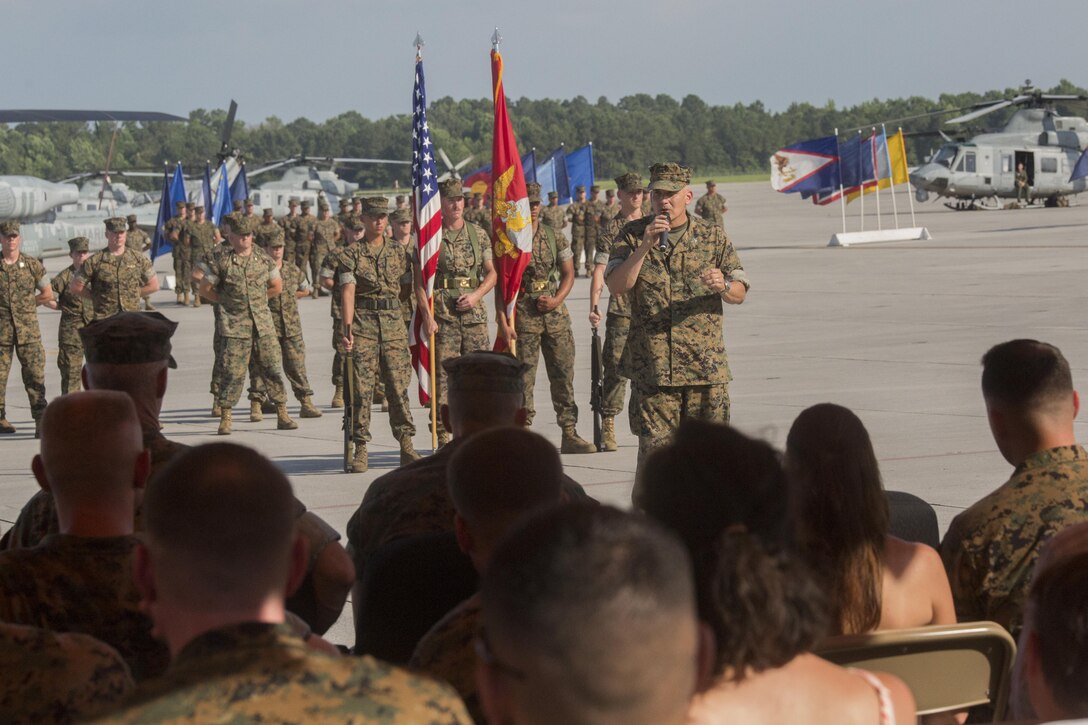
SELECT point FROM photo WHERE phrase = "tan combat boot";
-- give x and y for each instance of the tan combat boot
(255, 414)
(307, 409)
(5, 426)
(181, 298)
(359, 463)
(185, 299)
(573, 443)
(225, 422)
(408, 451)
(608, 433)
(338, 397)
(283, 421)
(196, 300)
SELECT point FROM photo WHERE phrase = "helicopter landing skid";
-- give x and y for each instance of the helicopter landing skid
(988, 203)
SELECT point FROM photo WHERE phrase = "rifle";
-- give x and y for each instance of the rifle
(596, 391)
(349, 411)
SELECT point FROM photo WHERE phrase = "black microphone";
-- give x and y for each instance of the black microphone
(663, 241)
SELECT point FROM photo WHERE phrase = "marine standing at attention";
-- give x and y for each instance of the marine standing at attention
(542, 325)
(174, 231)
(116, 278)
(75, 312)
(23, 287)
(711, 205)
(678, 270)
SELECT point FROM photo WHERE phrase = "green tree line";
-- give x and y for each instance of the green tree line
(631, 133)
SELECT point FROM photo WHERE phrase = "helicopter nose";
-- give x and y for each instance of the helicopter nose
(931, 177)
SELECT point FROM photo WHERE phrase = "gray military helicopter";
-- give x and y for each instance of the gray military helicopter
(52, 212)
(979, 172)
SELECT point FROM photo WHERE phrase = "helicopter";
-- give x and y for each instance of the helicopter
(978, 172)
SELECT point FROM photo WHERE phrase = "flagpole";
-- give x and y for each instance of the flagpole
(861, 183)
(910, 196)
(876, 174)
(891, 174)
(842, 195)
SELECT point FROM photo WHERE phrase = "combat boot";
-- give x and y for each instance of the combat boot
(359, 463)
(608, 433)
(407, 451)
(255, 414)
(5, 426)
(573, 443)
(283, 421)
(181, 298)
(338, 397)
(307, 409)
(185, 299)
(225, 422)
(196, 300)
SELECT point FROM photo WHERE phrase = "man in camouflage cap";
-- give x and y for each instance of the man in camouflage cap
(23, 286)
(400, 221)
(553, 215)
(464, 275)
(370, 273)
(248, 204)
(75, 312)
(629, 187)
(326, 236)
(267, 230)
(711, 205)
(202, 238)
(304, 238)
(578, 213)
(174, 231)
(542, 325)
(290, 228)
(595, 210)
(116, 278)
(241, 279)
(141, 242)
(221, 551)
(675, 353)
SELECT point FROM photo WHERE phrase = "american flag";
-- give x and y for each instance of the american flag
(427, 214)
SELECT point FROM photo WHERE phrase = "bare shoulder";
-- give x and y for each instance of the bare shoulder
(911, 560)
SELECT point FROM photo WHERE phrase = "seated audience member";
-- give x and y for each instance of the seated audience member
(1056, 652)
(57, 678)
(80, 580)
(990, 549)
(130, 352)
(221, 552)
(872, 580)
(728, 499)
(495, 478)
(588, 616)
(484, 391)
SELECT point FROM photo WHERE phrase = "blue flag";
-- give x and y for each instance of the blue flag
(207, 189)
(562, 177)
(1080, 169)
(172, 193)
(856, 162)
(239, 188)
(579, 169)
(528, 165)
(806, 166)
(223, 204)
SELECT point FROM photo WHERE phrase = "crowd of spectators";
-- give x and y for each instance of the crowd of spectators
(153, 582)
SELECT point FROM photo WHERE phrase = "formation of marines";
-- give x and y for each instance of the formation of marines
(255, 270)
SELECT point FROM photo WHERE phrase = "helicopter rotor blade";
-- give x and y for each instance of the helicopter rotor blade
(228, 129)
(981, 112)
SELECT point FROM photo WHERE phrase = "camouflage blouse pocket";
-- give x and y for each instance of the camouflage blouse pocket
(694, 263)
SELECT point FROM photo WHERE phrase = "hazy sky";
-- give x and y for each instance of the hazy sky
(291, 58)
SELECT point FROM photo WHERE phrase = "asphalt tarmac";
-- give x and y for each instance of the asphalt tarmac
(895, 331)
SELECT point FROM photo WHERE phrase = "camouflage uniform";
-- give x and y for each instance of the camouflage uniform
(616, 328)
(304, 237)
(137, 239)
(58, 678)
(380, 354)
(594, 217)
(245, 322)
(328, 271)
(75, 312)
(288, 325)
(115, 280)
(711, 207)
(578, 214)
(447, 653)
(547, 332)
(407, 290)
(990, 549)
(675, 353)
(289, 224)
(82, 584)
(182, 269)
(460, 271)
(554, 216)
(201, 244)
(325, 233)
(266, 232)
(20, 283)
(258, 672)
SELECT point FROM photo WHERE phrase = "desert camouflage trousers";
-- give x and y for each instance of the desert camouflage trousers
(31, 356)
(556, 344)
(453, 340)
(293, 354)
(381, 365)
(236, 356)
(615, 338)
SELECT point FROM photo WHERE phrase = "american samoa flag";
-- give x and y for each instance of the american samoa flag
(427, 217)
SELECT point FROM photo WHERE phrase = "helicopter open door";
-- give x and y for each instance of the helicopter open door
(1027, 158)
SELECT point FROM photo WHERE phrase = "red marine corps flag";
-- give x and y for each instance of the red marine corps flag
(511, 227)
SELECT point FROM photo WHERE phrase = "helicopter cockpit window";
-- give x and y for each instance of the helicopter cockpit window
(944, 156)
(1048, 166)
(969, 160)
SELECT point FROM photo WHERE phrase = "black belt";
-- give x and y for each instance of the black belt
(377, 303)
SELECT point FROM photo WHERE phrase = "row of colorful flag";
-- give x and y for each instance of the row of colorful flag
(217, 206)
(827, 170)
(559, 171)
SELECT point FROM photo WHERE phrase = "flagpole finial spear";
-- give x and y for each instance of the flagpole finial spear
(418, 42)
(495, 39)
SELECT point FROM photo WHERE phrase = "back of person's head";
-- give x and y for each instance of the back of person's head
(1058, 666)
(498, 476)
(484, 390)
(129, 352)
(1026, 375)
(728, 498)
(220, 524)
(92, 449)
(842, 512)
(588, 617)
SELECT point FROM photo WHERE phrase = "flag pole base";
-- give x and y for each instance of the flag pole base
(909, 234)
